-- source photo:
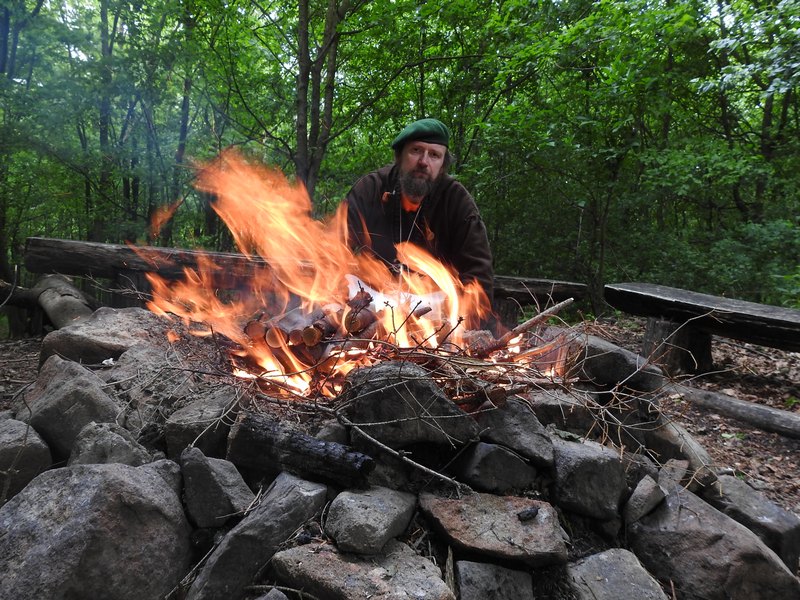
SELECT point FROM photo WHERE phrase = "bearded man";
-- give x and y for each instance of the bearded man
(415, 200)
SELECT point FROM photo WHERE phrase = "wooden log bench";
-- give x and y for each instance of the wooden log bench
(126, 268)
(681, 323)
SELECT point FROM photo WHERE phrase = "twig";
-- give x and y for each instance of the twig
(503, 341)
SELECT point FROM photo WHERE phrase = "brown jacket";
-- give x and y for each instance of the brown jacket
(447, 224)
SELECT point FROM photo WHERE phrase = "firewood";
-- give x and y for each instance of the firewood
(260, 443)
(323, 327)
(358, 320)
(503, 341)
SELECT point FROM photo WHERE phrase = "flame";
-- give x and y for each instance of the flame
(306, 268)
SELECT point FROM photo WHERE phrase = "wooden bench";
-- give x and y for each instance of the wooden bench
(681, 323)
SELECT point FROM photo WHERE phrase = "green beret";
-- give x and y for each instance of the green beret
(432, 131)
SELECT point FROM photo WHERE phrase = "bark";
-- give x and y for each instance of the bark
(257, 442)
(758, 415)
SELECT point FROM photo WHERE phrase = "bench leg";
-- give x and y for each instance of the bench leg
(677, 348)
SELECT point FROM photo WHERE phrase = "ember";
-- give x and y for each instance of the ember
(316, 310)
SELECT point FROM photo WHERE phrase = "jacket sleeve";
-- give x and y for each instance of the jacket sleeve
(469, 250)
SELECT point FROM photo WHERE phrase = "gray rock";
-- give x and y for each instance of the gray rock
(169, 471)
(504, 527)
(333, 431)
(493, 468)
(200, 424)
(566, 411)
(589, 479)
(708, 555)
(101, 443)
(478, 581)
(284, 507)
(273, 594)
(363, 521)
(22, 448)
(65, 398)
(214, 490)
(669, 440)
(778, 528)
(607, 364)
(81, 531)
(397, 573)
(516, 427)
(405, 406)
(647, 495)
(612, 575)
(107, 333)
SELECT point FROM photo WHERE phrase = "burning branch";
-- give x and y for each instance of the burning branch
(503, 341)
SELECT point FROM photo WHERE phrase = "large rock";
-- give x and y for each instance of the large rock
(397, 573)
(106, 334)
(399, 404)
(515, 426)
(778, 528)
(590, 479)
(613, 575)
(606, 364)
(100, 443)
(214, 489)
(199, 423)
(284, 507)
(65, 398)
(478, 581)
(93, 531)
(23, 455)
(708, 555)
(494, 468)
(363, 521)
(508, 528)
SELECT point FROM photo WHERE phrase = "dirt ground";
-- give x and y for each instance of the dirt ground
(768, 461)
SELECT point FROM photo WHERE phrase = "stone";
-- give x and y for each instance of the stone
(509, 528)
(106, 334)
(101, 443)
(493, 468)
(214, 491)
(706, 554)
(478, 581)
(605, 363)
(589, 479)
(200, 424)
(24, 450)
(612, 575)
(65, 398)
(399, 404)
(778, 528)
(363, 521)
(566, 411)
(397, 573)
(80, 531)
(232, 566)
(647, 495)
(515, 426)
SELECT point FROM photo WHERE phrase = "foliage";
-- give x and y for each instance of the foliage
(642, 140)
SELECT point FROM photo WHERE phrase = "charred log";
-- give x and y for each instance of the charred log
(258, 442)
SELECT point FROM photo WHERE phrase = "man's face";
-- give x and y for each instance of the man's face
(420, 165)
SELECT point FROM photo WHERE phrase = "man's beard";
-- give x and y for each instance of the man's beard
(415, 187)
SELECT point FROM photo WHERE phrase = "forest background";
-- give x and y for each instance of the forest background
(637, 140)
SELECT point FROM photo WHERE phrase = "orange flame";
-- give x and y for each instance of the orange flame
(308, 266)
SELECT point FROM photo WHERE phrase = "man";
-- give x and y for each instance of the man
(415, 200)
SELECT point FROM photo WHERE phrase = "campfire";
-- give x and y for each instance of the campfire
(313, 310)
